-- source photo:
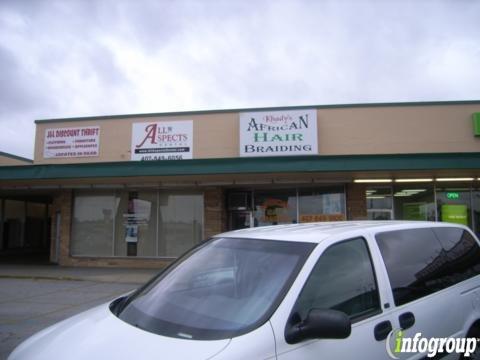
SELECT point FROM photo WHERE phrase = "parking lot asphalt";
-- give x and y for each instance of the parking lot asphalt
(28, 305)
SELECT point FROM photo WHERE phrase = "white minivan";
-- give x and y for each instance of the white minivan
(344, 290)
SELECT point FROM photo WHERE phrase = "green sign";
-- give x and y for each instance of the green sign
(457, 214)
(476, 124)
(453, 195)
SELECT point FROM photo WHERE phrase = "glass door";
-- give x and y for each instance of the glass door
(379, 203)
(476, 210)
(240, 220)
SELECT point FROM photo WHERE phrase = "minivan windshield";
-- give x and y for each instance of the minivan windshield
(221, 289)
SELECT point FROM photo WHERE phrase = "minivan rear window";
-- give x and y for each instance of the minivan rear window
(461, 258)
(422, 261)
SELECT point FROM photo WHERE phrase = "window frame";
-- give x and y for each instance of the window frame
(362, 316)
(117, 227)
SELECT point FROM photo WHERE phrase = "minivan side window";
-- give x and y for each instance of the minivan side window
(343, 279)
(422, 261)
(461, 255)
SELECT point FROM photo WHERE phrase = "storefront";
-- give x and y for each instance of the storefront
(287, 205)
(455, 201)
(139, 190)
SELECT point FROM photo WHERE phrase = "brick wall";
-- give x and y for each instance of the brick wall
(62, 203)
(214, 212)
(356, 202)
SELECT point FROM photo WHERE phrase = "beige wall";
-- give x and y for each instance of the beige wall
(8, 161)
(401, 129)
(214, 136)
(341, 131)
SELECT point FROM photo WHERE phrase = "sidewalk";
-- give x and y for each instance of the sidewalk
(55, 272)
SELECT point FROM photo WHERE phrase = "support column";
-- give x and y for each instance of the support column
(63, 202)
(356, 202)
(2, 217)
(215, 216)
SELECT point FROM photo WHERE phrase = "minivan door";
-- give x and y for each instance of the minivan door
(343, 279)
(424, 265)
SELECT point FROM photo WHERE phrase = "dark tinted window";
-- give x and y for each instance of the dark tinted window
(411, 258)
(461, 255)
(343, 280)
(422, 261)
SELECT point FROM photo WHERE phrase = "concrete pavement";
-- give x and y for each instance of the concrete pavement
(33, 297)
(55, 272)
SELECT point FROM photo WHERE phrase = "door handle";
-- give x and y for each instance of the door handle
(382, 330)
(406, 320)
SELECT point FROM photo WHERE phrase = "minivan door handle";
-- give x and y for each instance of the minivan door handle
(382, 330)
(406, 320)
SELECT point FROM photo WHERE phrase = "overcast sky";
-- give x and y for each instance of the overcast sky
(84, 58)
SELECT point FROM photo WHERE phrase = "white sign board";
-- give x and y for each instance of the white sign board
(167, 140)
(71, 142)
(278, 133)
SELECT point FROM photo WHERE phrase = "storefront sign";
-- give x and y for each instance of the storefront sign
(307, 218)
(278, 133)
(138, 212)
(170, 140)
(71, 142)
(457, 214)
(453, 195)
(131, 233)
(476, 124)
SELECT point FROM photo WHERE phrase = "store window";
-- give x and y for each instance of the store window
(285, 206)
(414, 202)
(321, 204)
(454, 205)
(92, 224)
(275, 207)
(476, 210)
(379, 203)
(180, 223)
(136, 223)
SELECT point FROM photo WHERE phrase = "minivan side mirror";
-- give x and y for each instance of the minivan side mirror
(320, 324)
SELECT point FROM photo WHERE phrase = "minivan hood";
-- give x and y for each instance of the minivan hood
(97, 334)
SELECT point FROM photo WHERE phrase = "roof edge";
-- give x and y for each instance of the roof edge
(275, 108)
(15, 157)
(255, 165)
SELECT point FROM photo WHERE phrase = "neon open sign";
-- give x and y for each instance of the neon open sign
(453, 195)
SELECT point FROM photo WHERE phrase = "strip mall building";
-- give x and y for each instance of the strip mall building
(139, 190)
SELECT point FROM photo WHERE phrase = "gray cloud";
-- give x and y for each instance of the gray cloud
(86, 57)
(15, 87)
